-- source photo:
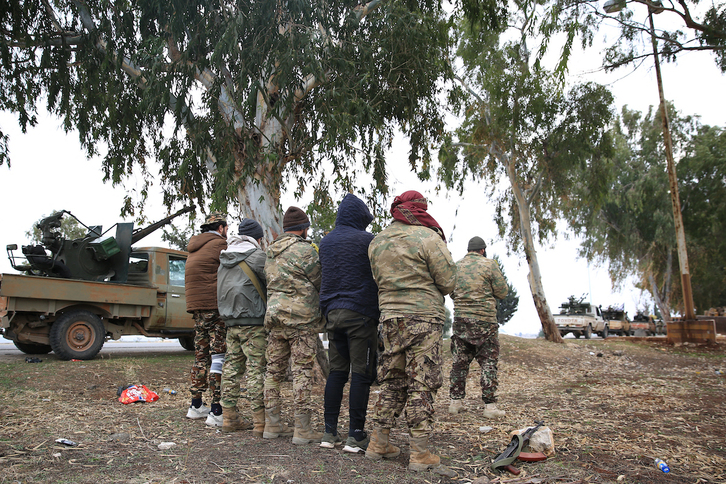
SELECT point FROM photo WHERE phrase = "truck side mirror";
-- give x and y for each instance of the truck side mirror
(12, 247)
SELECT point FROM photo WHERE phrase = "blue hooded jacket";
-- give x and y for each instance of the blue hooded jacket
(347, 279)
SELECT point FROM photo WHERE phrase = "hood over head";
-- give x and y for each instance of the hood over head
(353, 212)
(239, 247)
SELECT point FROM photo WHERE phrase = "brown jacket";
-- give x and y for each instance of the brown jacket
(200, 275)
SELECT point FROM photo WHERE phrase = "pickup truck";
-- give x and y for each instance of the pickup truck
(581, 319)
(73, 318)
(617, 321)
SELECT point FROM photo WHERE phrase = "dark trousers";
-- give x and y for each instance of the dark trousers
(352, 345)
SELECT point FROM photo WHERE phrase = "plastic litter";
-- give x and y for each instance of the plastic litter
(485, 430)
(137, 393)
(660, 464)
(67, 442)
(166, 445)
(169, 391)
(30, 359)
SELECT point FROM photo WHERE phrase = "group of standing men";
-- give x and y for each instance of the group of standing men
(270, 305)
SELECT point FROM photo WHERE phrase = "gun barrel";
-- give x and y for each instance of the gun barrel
(141, 233)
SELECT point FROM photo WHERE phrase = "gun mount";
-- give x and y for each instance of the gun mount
(93, 257)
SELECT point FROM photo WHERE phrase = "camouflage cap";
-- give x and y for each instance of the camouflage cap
(215, 217)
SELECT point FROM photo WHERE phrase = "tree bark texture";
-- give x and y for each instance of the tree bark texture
(534, 277)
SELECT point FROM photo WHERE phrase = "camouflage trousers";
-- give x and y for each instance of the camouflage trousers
(472, 339)
(209, 339)
(246, 347)
(410, 373)
(298, 347)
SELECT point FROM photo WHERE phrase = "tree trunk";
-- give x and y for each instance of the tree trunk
(664, 310)
(534, 277)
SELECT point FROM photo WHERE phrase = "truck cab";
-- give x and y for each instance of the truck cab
(580, 318)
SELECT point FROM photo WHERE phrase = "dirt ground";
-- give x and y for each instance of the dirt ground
(612, 405)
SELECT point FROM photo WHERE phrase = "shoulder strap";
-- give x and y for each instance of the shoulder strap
(253, 277)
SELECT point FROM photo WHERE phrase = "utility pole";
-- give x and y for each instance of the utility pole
(673, 180)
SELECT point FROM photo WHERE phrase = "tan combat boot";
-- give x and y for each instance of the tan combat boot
(231, 421)
(304, 434)
(422, 459)
(258, 422)
(273, 427)
(457, 406)
(379, 448)
(491, 411)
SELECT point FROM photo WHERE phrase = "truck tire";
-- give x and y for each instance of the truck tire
(33, 348)
(604, 333)
(187, 342)
(588, 332)
(77, 335)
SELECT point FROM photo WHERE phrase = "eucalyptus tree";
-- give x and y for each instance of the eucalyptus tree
(632, 230)
(519, 129)
(702, 178)
(237, 100)
(682, 26)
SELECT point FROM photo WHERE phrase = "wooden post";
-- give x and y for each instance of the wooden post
(673, 179)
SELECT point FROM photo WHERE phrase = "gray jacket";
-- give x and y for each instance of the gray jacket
(238, 301)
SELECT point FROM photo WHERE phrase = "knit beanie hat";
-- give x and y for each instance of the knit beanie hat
(476, 243)
(251, 228)
(295, 219)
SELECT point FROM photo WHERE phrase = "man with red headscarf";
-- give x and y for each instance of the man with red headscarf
(414, 271)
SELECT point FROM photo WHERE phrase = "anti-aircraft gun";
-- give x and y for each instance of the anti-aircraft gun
(93, 257)
(76, 294)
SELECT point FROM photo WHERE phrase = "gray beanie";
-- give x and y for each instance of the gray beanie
(250, 227)
(476, 243)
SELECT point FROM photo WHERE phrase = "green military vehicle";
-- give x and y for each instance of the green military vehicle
(87, 290)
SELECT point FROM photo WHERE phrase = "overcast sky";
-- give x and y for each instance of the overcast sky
(49, 172)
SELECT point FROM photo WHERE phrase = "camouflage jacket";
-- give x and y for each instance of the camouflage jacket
(478, 282)
(293, 283)
(414, 271)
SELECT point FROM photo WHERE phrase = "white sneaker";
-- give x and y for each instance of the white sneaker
(196, 413)
(214, 420)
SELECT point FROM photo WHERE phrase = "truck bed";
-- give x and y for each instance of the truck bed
(48, 295)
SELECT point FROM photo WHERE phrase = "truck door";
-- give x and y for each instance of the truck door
(176, 306)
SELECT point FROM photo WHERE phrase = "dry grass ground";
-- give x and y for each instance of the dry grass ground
(613, 405)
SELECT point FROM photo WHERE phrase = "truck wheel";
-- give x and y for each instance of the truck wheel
(576, 334)
(588, 332)
(604, 333)
(33, 348)
(77, 335)
(187, 342)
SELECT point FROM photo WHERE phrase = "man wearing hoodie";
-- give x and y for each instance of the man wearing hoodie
(293, 320)
(349, 301)
(200, 286)
(241, 297)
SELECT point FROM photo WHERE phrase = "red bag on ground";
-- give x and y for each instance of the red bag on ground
(137, 393)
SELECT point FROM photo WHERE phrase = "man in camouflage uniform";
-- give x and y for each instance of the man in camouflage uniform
(478, 282)
(200, 286)
(413, 270)
(242, 295)
(293, 320)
